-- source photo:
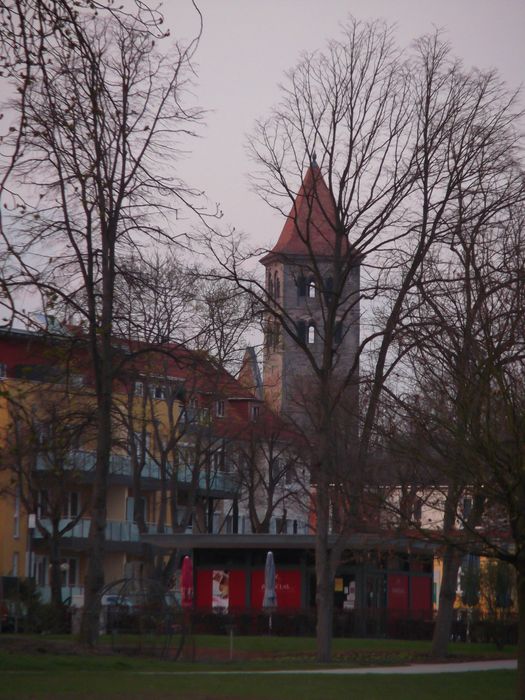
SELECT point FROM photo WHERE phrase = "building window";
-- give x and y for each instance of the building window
(301, 331)
(41, 570)
(43, 504)
(70, 507)
(277, 287)
(311, 289)
(16, 514)
(130, 509)
(270, 285)
(16, 563)
(301, 286)
(338, 333)
(256, 410)
(204, 416)
(3, 370)
(69, 570)
(219, 409)
(311, 334)
(139, 389)
(159, 392)
(217, 460)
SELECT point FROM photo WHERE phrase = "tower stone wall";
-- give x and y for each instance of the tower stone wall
(291, 284)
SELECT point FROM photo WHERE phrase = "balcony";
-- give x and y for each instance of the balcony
(120, 465)
(116, 530)
(218, 481)
(71, 594)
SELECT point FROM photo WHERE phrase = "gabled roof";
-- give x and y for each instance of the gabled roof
(310, 227)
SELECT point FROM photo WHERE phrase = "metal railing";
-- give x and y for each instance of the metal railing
(120, 465)
(116, 530)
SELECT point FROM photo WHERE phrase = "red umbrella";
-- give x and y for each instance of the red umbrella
(186, 583)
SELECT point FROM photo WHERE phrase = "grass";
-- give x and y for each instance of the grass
(44, 675)
(109, 685)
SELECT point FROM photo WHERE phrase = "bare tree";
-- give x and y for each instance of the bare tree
(268, 461)
(46, 426)
(391, 145)
(466, 341)
(101, 121)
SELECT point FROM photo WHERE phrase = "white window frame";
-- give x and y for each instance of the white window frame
(67, 510)
(310, 334)
(65, 568)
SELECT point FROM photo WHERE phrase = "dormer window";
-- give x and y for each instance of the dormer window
(159, 392)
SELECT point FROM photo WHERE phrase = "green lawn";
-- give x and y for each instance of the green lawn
(43, 675)
(120, 684)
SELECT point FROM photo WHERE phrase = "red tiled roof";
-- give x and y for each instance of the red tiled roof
(310, 228)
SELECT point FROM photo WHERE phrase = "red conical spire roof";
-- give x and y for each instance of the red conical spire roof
(311, 223)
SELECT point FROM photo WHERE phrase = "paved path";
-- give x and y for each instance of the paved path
(506, 665)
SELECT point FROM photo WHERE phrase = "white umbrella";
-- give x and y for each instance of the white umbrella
(270, 596)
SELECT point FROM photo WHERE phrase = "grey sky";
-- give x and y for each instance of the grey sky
(248, 44)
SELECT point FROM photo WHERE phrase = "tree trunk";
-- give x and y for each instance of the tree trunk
(94, 580)
(55, 572)
(520, 689)
(447, 596)
(324, 597)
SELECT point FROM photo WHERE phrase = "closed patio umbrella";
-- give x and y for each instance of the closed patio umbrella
(270, 596)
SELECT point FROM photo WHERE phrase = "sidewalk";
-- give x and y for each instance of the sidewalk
(462, 667)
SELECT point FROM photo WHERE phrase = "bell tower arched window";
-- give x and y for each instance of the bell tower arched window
(311, 334)
(277, 287)
(270, 285)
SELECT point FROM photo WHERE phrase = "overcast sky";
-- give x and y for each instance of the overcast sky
(247, 46)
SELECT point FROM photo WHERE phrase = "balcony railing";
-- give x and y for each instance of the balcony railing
(73, 594)
(120, 465)
(116, 530)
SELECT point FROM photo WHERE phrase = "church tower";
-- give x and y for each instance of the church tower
(310, 274)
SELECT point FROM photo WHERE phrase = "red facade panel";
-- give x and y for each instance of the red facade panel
(397, 600)
(287, 587)
(204, 587)
(421, 594)
(237, 589)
